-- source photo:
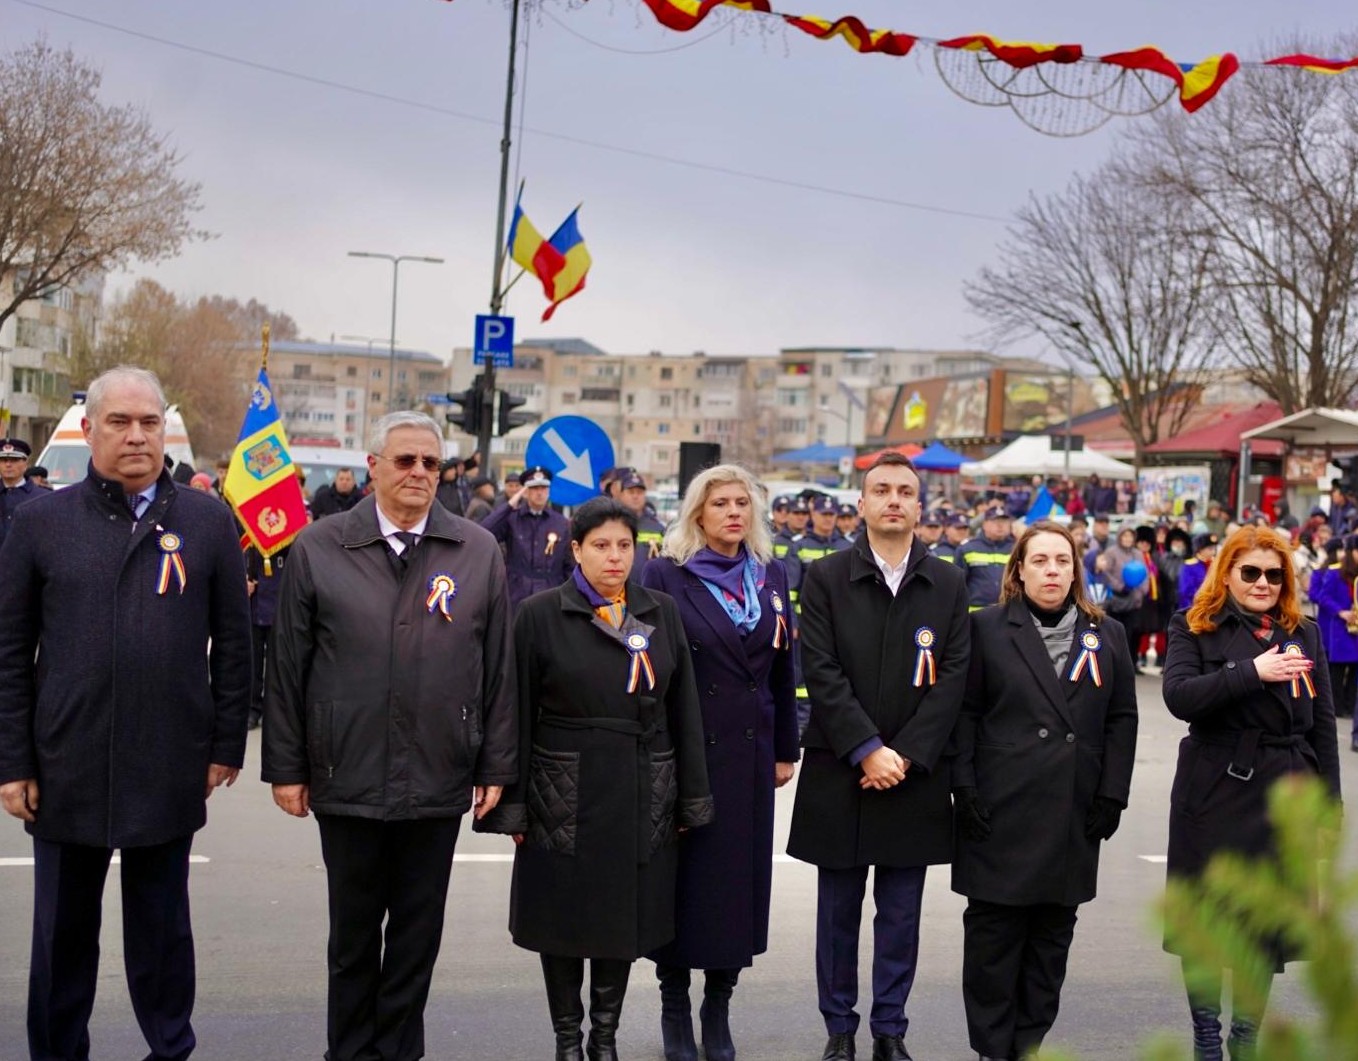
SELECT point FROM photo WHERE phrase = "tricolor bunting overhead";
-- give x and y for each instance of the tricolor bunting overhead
(261, 483)
(1197, 82)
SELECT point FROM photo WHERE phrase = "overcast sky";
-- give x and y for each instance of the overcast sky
(296, 173)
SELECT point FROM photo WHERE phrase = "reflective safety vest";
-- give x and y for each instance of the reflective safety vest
(982, 561)
(807, 549)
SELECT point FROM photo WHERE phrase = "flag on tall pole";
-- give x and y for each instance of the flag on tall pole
(261, 482)
(561, 262)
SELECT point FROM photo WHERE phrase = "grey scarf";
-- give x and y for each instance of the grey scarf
(1059, 639)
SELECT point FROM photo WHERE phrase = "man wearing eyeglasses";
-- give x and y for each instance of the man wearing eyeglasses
(390, 713)
(535, 537)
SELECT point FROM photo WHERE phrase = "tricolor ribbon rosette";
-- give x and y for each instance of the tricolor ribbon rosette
(637, 644)
(1293, 648)
(442, 590)
(552, 539)
(924, 658)
(170, 562)
(1088, 659)
(780, 634)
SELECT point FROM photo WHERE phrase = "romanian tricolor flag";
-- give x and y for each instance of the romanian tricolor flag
(575, 256)
(262, 483)
(855, 34)
(560, 262)
(1019, 54)
(1197, 83)
(1314, 63)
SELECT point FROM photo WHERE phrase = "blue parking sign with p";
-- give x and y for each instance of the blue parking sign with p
(494, 341)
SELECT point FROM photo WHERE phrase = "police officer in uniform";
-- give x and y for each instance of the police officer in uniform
(778, 514)
(798, 515)
(846, 522)
(650, 531)
(983, 558)
(785, 537)
(956, 532)
(535, 537)
(820, 541)
(930, 532)
(14, 454)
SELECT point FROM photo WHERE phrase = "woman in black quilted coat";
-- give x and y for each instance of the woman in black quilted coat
(613, 746)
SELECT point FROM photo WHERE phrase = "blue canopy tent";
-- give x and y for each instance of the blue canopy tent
(938, 458)
(816, 453)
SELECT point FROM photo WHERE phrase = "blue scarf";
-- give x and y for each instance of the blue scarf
(734, 581)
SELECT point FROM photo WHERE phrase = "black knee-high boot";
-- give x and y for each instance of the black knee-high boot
(676, 1013)
(715, 1014)
(1204, 1004)
(1243, 1042)
(607, 986)
(564, 978)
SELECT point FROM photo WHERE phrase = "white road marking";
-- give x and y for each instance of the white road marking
(194, 859)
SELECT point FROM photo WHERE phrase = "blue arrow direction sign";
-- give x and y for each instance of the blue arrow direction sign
(494, 339)
(576, 451)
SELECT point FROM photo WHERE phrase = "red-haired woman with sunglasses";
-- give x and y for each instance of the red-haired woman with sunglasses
(1247, 671)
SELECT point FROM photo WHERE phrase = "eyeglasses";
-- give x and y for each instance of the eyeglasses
(1249, 574)
(407, 461)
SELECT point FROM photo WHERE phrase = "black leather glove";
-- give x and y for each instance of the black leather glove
(1103, 818)
(973, 816)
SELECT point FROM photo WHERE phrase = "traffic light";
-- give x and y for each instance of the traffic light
(468, 407)
(508, 419)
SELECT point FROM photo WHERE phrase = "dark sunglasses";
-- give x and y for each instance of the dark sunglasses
(1249, 574)
(406, 461)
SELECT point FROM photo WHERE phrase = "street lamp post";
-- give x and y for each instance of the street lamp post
(396, 260)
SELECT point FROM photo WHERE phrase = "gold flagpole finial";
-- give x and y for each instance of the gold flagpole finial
(264, 352)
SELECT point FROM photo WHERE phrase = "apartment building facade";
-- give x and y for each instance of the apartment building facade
(35, 345)
(330, 394)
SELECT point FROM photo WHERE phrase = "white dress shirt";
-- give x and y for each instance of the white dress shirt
(389, 530)
(894, 575)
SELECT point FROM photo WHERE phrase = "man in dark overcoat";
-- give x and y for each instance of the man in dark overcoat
(124, 687)
(536, 539)
(884, 642)
(390, 713)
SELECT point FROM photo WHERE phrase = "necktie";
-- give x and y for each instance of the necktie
(409, 539)
(134, 503)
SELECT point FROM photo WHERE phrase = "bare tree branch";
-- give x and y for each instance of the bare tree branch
(84, 186)
(1269, 175)
(1104, 274)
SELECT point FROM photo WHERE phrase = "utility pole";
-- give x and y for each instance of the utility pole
(496, 290)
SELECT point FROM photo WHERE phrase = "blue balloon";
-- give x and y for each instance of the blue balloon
(1133, 573)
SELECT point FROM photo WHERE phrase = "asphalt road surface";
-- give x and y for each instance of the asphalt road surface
(260, 923)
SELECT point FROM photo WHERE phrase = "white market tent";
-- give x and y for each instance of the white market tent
(1034, 455)
(1311, 427)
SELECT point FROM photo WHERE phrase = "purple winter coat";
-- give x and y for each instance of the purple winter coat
(749, 722)
(1332, 593)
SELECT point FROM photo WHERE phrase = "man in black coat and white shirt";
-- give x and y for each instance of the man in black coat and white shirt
(885, 642)
(124, 688)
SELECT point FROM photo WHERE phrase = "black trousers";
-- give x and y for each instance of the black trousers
(260, 648)
(68, 892)
(379, 983)
(1013, 966)
(1344, 688)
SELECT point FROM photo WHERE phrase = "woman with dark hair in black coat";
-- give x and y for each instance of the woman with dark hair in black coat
(1044, 752)
(612, 747)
